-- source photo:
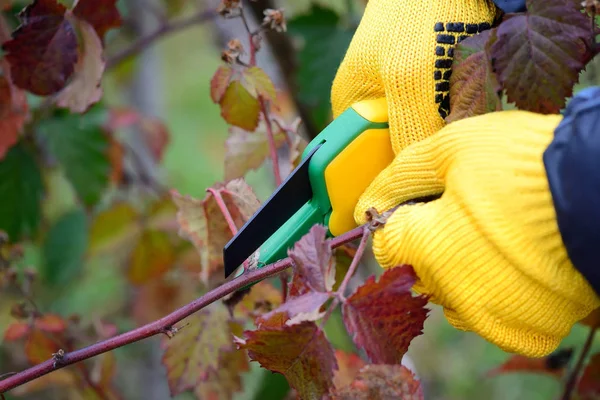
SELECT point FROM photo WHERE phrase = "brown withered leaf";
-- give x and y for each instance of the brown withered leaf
(161, 296)
(382, 382)
(383, 317)
(227, 381)
(198, 348)
(39, 347)
(203, 224)
(473, 85)
(152, 256)
(263, 297)
(247, 150)
(349, 365)
(84, 88)
(300, 352)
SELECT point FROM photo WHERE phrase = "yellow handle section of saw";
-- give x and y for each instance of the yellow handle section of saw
(350, 173)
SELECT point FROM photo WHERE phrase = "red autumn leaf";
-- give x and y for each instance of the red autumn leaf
(383, 317)
(537, 56)
(103, 15)
(198, 348)
(43, 50)
(51, 323)
(314, 267)
(220, 82)
(39, 347)
(553, 365)
(473, 85)
(84, 88)
(588, 387)
(300, 352)
(152, 256)
(382, 382)
(349, 365)
(14, 110)
(16, 331)
(202, 223)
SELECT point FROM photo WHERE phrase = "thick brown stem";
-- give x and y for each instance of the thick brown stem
(163, 325)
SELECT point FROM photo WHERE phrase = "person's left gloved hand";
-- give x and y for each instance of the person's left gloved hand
(489, 249)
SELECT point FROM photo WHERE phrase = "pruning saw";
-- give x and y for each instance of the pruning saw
(335, 169)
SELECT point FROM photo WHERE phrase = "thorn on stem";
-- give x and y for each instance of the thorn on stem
(58, 357)
(171, 331)
(377, 220)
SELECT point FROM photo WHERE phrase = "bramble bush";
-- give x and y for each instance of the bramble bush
(169, 245)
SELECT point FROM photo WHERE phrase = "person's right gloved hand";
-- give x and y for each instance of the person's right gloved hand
(489, 250)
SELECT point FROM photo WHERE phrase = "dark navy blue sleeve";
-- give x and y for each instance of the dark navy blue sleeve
(572, 164)
(511, 6)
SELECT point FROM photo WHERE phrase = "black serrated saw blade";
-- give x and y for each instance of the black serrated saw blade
(292, 194)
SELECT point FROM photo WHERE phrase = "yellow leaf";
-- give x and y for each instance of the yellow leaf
(239, 107)
(113, 228)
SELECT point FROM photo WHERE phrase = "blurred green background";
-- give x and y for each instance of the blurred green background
(451, 364)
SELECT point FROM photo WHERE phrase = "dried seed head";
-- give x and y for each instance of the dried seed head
(229, 8)
(275, 19)
(591, 6)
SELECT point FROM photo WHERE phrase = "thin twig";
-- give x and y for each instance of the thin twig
(576, 371)
(359, 253)
(164, 324)
(165, 29)
(223, 207)
(351, 270)
(263, 103)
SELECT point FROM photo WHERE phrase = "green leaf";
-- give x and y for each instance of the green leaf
(21, 190)
(81, 146)
(64, 248)
(325, 44)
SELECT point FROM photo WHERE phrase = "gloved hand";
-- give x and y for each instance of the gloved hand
(489, 250)
(403, 50)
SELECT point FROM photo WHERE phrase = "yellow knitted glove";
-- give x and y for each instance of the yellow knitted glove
(489, 250)
(403, 50)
